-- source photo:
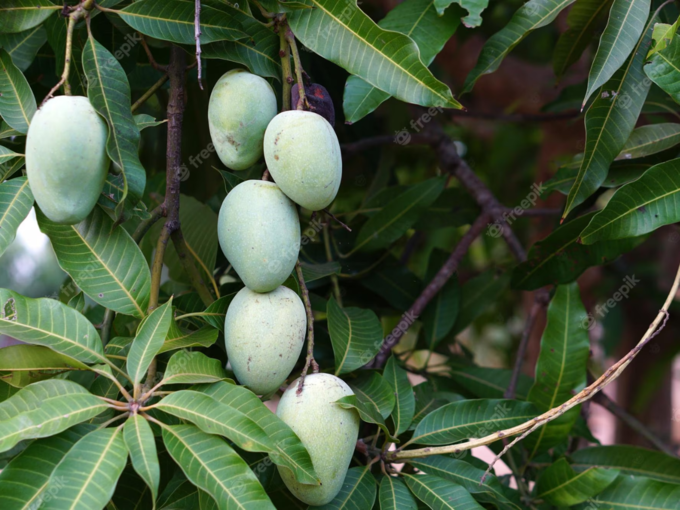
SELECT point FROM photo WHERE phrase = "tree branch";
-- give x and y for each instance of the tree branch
(197, 36)
(310, 361)
(286, 70)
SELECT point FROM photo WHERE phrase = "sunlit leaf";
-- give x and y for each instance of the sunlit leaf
(142, 447)
(20, 15)
(17, 103)
(358, 491)
(560, 485)
(404, 405)
(16, 201)
(394, 495)
(186, 367)
(631, 460)
(23, 46)
(440, 494)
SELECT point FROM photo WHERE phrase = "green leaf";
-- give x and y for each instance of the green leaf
(288, 452)
(356, 336)
(394, 495)
(357, 492)
(476, 295)
(474, 8)
(313, 272)
(144, 121)
(340, 32)
(560, 485)
(532, 15)
(440, 314)
(639, 207)
(217, 311)
(20, 15)
(7, 132)
(610, 120)
(489, 382)
(178, 339)
(398, 215)
(630, 460)
(77, 302)
(372, 389)
(214, 467)
(440, 494)
(50, 323)
(7, 155)
(173, 20)
(560, 258)
(215, 417)
(470, 418)
(417, 19)
(16, 201)
(664, 69)
(562, 365)
(45, 408)
(647, 140)
(405, 403)
(24, 480)
(148, 341)
(584, 19)
(17, 103)
(625, 26)
(103, 260)
(109, 92)
(23, 46)
(368, 413)
(187, 367)
(142, 447)
(634, 493)
(87, 475)
(468, 476)
(27, 357)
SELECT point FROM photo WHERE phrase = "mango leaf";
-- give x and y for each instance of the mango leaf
(633, 493)
(468, 476)
(532, 15)
(489, 382)
(9, 169)
(186, 367)
(584, 19)
(141, 444)
(664, 69)
(398, 215)
(560, 485)
(24, 480)
(103, 260)
(562, 365)
(148, 341)
(178, 339)
(610, 120)
(428, 398)
(214, 467)
(16, 201)
(288, 452)
(396, 284)
(7, 155)
(7, 132)
(368, 413)
(372, 389)
(20, 15)
(131, 492)
(144, 121)
(440, 494)
(356, 336)
(404, 404)
(440, 314)
(25, 357)
(102, 455)
(180, 494)
(45, 408)
(417, 19)
(17, 103)
(471, 418)
(560, 258)
(50, 323)
(340, 32)
(474, 8)
(630, 460)
(214, 417)
(23, 46)
(647, 140)
(476, 295)
(394, 495)
(357, 491)
(639, 207)
(109, 92)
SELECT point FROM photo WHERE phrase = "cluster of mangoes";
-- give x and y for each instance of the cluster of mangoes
(259, 232)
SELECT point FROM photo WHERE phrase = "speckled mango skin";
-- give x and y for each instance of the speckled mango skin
(259, 232)
(328, 431)
(264, 334)
(303, 156)
(66, 159)
(241, 106)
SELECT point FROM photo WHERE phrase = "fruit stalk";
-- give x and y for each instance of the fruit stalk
(310, 361)
(302, 102)
(286, 70)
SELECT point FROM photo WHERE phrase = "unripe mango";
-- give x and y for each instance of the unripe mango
(328, 431)
(264, 334)
(241, 106)
(259, 232)
(303, 157)
(66, 159)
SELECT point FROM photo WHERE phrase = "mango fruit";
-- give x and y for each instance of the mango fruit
(66, 159)
(241, 106)
(328, 431)
(259, 232)
(303, 157)
(264, 334)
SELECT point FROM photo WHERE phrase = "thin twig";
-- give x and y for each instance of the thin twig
(302, 103)
(149, 93)
(286, 70)
(149, 55)
(337, 220)
(197, 36)
(74, 16)
(156, 214)
(310, 361)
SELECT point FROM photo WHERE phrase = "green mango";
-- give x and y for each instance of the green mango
(66, 159)
(241, 106)
(303, 157)
(264, 334)
(328, 431)
(259, 232)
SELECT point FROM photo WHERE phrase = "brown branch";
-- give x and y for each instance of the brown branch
(302, 103)
(149, 55)
(197, 36)
(310, 361)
